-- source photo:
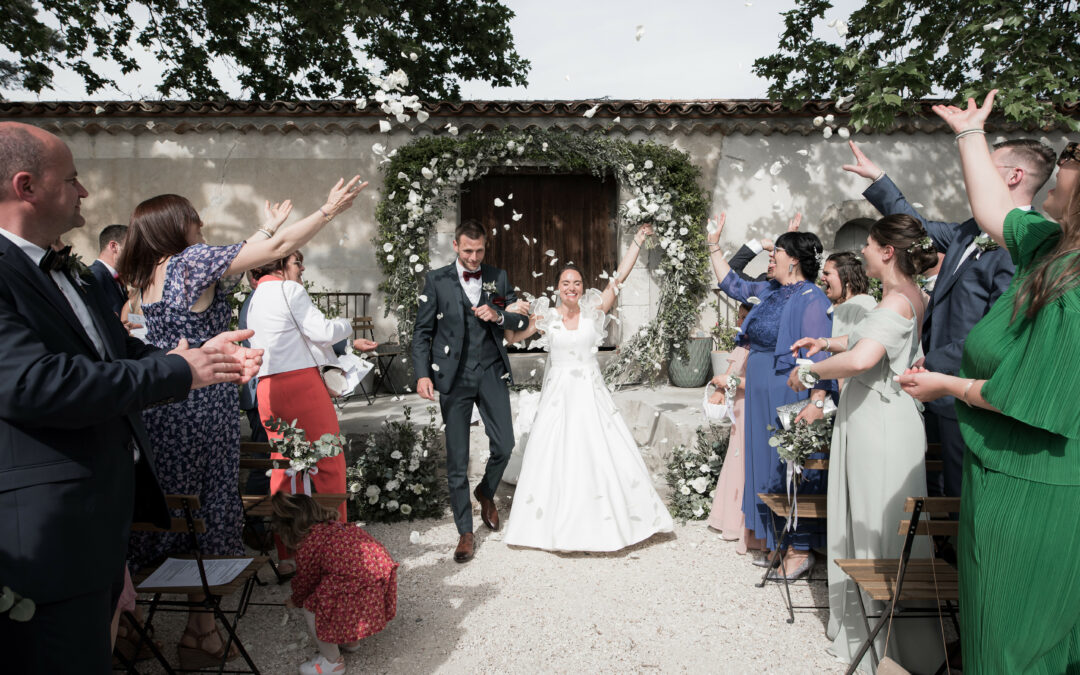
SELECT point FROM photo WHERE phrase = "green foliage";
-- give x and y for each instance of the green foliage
(896, 52)
(276, 49)
(802, 440)
(301, 453)
(692, 474)
(423, 178)
(396, 477)
(18, 607)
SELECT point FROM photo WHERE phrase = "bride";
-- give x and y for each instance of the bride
(583, 485)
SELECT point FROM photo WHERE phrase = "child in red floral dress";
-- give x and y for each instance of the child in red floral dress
(346, 582)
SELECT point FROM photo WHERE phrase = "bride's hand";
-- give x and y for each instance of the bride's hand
(519, 307)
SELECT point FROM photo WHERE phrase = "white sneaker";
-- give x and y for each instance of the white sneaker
(319, 665)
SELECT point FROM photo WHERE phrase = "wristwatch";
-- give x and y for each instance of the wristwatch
(819, 404)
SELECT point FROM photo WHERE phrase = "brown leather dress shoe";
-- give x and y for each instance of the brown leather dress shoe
(464, 550)
(488, 513)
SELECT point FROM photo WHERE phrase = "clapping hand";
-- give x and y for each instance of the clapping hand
(973, 117)
(862, 166)
(249, 360)
(922, 384)
(715, 227)
(220, 359)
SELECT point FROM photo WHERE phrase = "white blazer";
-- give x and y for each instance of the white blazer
(271, 315)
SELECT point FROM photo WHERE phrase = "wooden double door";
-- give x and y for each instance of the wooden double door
(569, 215)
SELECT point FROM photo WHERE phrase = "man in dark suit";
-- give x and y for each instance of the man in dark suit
(110, 243)
(973, 275)
(458, 350)
(75, 461)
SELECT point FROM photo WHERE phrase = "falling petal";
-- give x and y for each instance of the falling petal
(639, 32)
(776, 168)
(818, 121)
(421, 116)
(759, 174)
(510, 196)
(843, 133)
(422, 298)
(592, 111)
(384, 126)
(527, 242)
(550, 252)
(616, 120)
(413, 56)
(537, 274)
(435, 367)
(830, 118)
(827, 133)
(446, 349)
(414, 537)
(517, 216)
(506, 226)
(567, 78)
(804, 152)
(498, 202)
(553, 261)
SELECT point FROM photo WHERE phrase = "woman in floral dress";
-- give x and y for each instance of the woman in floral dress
(183, 286)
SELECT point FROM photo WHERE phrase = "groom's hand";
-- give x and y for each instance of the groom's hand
(485, 313)
(425, 388)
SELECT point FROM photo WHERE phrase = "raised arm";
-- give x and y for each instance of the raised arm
(627, 264)
(986, 189)
(715, 228)
(265, 246)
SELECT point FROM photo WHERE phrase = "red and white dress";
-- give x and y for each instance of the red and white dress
(347, 580)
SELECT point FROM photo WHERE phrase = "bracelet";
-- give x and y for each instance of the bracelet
(268, 233)
(966, 390)
(714, 247)
(326, 215)
(827, 344)
(968, 132)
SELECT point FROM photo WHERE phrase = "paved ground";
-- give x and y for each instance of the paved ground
(683, 602)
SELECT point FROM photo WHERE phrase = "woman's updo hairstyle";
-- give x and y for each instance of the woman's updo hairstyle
(806, 248)
(852, 274)
(915, 252)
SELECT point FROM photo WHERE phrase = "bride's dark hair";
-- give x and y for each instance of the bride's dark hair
(570, 266)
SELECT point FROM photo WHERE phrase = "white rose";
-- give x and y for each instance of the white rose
(406, 509)
(392, 505)
(373, 491)
(700, 484)
(685, 489)
(388, 247)
(395, 454)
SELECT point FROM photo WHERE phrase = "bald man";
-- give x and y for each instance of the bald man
(76, 464)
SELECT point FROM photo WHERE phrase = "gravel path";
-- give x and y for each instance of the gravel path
(682, 602)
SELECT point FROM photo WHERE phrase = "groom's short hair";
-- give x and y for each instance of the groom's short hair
(470, 228)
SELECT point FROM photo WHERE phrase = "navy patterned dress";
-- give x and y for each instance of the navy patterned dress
(197, 440)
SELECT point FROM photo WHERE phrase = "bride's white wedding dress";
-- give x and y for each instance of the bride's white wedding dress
(583, 485)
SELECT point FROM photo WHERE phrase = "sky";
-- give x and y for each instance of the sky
(586, 49)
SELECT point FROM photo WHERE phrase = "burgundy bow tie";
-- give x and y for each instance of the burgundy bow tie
(471, 275)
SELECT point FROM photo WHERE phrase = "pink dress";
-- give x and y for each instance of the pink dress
(726, 515)
(347, 580)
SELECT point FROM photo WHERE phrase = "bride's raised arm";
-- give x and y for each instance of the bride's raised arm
(627, 264)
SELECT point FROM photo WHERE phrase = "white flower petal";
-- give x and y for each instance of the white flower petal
(843, 133)
(498, 202)
(421, 116)
(639, 32)
(592, 111)
(384, 126)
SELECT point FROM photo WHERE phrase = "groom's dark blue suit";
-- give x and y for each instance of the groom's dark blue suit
(69, 485)
(961, 297)
(467, 362)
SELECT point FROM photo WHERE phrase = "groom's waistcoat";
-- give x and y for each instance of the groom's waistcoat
(480, 349)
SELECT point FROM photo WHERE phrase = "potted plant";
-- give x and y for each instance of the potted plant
(723, 337)
(690, 368)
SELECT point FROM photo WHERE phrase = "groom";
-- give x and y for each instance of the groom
(458, 350)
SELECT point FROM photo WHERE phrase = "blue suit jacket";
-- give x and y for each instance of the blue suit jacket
(112, 289)
(68, 484)
(962, 296)
(440, 323)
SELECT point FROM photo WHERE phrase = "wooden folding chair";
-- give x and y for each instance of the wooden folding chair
(810, 507)
(212, 594)
(895, 581)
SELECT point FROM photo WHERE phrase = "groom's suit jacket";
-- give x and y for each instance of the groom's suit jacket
(962, 296)
(69, 484)
(438, 346)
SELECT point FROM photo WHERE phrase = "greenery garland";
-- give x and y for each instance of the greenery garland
(423, 178)
(692, 473)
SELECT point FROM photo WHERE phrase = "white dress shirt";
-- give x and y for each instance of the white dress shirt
(112, 270)
(71, 294)
(277, 308)
(472, 287)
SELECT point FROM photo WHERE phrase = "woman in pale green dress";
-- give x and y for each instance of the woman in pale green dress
(844, 281)
(878, 446)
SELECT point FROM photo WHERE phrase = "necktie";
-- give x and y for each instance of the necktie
(54, 260)
(468, 275)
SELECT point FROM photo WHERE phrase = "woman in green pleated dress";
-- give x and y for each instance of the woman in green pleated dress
(1016, 394)
(878, 455)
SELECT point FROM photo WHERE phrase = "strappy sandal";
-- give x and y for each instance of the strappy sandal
(194, 657)
(127, 638)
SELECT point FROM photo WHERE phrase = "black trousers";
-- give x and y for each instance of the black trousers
(947, 431)
(488, 389)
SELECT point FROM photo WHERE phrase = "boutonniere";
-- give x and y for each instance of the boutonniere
(490, 288)
(984, 243)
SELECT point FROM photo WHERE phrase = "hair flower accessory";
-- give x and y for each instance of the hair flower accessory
(926, 244)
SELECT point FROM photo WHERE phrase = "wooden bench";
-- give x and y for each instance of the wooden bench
(899, 580)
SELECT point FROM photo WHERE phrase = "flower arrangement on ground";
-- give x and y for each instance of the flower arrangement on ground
(395, 477)
(423, 178)
(692, 474)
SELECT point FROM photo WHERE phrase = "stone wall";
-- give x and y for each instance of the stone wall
(760, 167)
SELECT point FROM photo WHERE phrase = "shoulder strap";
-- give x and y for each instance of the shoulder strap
(303, 337)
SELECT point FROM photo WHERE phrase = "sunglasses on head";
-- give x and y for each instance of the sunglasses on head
(1071, 151)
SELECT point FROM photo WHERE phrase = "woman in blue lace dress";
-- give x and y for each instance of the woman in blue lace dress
(184, 285)
(784, 306)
